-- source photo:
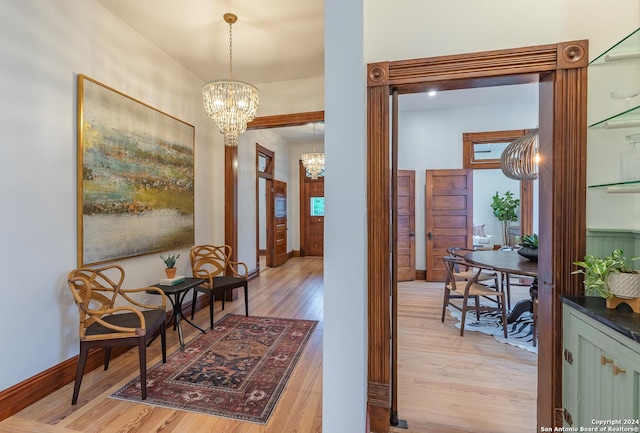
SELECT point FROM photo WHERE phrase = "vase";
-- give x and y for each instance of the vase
(529, 253)
(171, 272)
(624, 285)
(505, 232)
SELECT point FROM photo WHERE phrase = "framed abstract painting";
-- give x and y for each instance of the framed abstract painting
(135, 177)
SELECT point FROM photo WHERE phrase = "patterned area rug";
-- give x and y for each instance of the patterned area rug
(237, 370)
(519, 333)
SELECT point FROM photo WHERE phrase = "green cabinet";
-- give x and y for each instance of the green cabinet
(601, 373)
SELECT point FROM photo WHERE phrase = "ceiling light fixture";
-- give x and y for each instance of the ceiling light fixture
(314, 161)
(520, 159)
(231, 103)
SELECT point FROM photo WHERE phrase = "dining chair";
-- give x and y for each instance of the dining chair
(213, 264)
(465, 288)
(466, 270)
(111, 317)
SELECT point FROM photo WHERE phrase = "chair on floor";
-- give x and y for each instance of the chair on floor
(465, 288)
(466, 270)
(110, 317)
(213, 264)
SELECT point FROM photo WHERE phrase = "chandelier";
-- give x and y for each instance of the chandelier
(231, 103)
(520, 159)
(313, 162)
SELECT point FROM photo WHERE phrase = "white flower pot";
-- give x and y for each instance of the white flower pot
(624, 285)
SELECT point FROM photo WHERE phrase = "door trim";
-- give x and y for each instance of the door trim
(561, 72)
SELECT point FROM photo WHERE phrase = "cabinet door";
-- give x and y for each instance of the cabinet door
(626, 384)
(602, 381)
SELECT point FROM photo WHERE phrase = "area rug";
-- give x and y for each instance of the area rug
(236, 370)
(519, 333)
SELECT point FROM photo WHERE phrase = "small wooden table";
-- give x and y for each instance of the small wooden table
(179, 291)
(509, 262)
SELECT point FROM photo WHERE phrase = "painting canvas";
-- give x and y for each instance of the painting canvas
(135, 177)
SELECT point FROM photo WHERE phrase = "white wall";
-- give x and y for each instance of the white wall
(44, 45)
(344, 378)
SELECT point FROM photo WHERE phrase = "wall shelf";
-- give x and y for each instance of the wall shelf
(626, 49)
(630, 186)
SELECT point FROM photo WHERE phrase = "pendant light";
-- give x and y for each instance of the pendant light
(313, 162)
(231, 103)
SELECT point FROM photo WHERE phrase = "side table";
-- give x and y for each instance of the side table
(179, 291)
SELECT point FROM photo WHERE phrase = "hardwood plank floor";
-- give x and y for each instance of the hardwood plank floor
(447, 383)
(453, 384)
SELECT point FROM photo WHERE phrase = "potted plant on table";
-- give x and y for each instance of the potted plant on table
(609, 276)
(504, 208)
(529, 247)
(170, 262)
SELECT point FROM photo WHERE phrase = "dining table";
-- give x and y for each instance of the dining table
(509, 262)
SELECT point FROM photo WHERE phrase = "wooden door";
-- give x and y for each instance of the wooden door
(448, 215)
(406, 222)
(313, 209)
(276, 223)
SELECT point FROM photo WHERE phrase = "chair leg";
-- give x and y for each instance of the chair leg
(465, 304)
(508, 291)
(142, 352)
(535, 323)
(82, 360)
(107, 358)
(246, 299)
(504, 317)
(445, 302)
(163, 342)
(477, 300)
(212, 299)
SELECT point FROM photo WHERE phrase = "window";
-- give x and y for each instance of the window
(317, 206)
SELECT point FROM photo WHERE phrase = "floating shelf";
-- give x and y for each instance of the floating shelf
(629, 187)
(627, 119)
(625, 50)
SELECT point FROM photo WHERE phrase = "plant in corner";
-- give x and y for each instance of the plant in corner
(170, 262)
(504, 208)
(598, 272)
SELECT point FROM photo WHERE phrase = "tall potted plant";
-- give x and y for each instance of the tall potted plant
(504, 208)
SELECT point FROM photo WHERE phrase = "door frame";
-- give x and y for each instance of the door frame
(267, 174)
(561, 73)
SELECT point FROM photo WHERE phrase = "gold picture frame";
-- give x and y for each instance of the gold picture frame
(135, 177)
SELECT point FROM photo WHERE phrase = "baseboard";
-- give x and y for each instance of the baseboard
(29, 391)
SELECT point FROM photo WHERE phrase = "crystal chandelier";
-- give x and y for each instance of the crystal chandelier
(231, 103)
(313, 162)
(520, 159)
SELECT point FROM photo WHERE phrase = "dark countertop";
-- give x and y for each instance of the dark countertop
(621, 319)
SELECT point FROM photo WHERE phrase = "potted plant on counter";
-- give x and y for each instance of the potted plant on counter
(170, 262)
(609, 276)
(529, 247)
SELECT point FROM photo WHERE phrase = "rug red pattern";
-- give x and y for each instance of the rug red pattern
(236, 370)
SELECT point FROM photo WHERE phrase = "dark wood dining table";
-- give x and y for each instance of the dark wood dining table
(509, 262)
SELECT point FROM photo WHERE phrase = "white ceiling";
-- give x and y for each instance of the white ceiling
(273, 41)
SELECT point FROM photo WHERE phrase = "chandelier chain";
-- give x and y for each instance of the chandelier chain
(230, 52)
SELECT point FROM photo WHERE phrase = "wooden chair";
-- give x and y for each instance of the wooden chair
(213, 264)
(464, 271)
(459, 288)
(109, 318)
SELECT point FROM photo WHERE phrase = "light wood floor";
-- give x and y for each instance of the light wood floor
(442, 376)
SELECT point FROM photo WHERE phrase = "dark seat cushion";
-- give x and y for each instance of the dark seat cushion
(226, 283)
(152, 318)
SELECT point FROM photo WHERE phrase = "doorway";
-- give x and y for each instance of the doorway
(311, 214)
(560, 71)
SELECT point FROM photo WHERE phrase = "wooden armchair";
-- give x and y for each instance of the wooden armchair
(109, 317)
(213, 264)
